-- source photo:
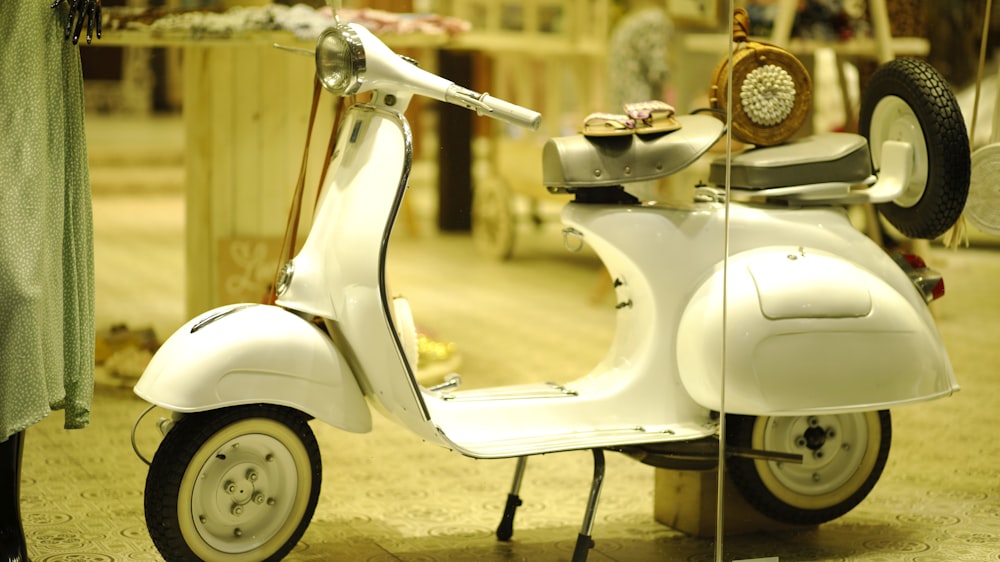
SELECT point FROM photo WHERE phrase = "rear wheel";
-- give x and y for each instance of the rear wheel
(907, 100)
(843, 457)
(238, 483)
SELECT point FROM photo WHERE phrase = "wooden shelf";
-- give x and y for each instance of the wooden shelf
(149, 38)
(860, 47)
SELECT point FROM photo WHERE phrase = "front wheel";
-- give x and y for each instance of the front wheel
(238, 483)
(843, 457)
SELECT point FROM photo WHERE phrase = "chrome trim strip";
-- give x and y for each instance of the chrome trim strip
(521, 392)
(219, 315)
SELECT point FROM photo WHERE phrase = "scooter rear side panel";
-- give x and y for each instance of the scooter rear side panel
(849, 333)
(854, 346)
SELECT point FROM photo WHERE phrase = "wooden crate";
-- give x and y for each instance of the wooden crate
(686, 500)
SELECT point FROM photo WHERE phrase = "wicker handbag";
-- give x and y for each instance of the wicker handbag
(772, 91)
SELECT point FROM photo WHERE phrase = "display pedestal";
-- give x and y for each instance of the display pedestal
(686, 500)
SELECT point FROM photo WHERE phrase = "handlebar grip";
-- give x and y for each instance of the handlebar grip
(512, 113)
(485, 104)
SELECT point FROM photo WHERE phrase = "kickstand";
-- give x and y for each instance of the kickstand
(584, 542)
(506, 528)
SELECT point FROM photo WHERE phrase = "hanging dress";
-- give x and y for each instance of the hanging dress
(46, 229)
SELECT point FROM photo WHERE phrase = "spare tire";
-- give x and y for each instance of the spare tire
(907, 100)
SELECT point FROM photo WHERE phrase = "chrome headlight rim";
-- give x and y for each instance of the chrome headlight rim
(347, 44)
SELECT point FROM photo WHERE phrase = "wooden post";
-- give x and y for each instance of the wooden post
(455, 150)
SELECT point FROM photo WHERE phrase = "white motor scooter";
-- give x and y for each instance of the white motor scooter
(811, 330)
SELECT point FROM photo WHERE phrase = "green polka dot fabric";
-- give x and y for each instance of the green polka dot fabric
(46, 229)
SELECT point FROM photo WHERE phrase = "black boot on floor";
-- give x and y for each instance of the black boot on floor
(12, 545)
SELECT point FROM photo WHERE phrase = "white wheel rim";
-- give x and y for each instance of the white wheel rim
(839, 452)
(894, 119)
(245, 489)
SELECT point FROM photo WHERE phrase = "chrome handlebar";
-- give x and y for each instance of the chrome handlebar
(485, 104)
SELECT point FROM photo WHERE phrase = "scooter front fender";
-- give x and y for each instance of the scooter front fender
(250, 353)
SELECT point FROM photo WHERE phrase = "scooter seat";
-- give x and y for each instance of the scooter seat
(578, 161)
(818, 159)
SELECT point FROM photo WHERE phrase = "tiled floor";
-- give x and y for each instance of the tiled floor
(388, 496)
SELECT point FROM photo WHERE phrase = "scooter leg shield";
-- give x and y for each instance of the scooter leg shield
(249, 353)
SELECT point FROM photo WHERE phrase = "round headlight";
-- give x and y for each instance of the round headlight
(340, 60)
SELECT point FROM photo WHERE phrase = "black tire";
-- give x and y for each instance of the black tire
(907, 100)
(843, 458)
(238, 483)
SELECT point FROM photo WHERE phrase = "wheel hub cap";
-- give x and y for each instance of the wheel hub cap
(832, 448)
(242, 495)
(893, 119)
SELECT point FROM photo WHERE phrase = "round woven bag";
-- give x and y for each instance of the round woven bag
(772, 91)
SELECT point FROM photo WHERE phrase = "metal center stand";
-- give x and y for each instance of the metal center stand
(584, 542)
